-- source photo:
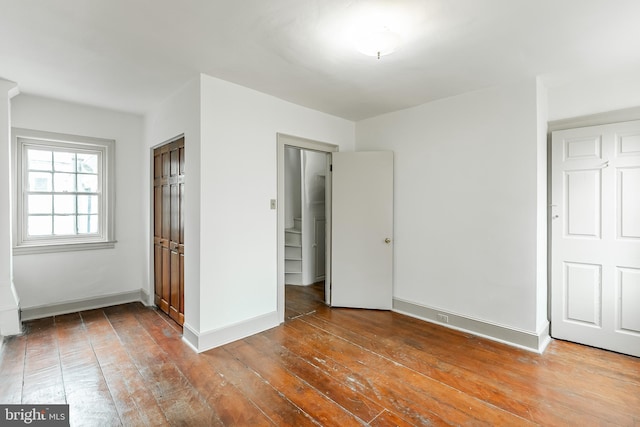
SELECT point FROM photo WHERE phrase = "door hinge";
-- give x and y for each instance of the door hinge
(330, 168)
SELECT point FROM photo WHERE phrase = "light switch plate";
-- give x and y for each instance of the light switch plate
(273, 203)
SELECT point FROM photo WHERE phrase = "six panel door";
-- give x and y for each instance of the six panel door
(595, 224)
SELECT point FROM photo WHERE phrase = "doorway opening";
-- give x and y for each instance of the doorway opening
(305, 174)
(304, 224)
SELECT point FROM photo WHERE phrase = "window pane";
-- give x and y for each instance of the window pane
(87, 224)
(64, 162)
(39, 204)
(87, 163)
(39, 160)
(64, 182)
(88, 204)
(88, 183)
(39, 181)
(39, 226)
(64, 204)
(64, 224)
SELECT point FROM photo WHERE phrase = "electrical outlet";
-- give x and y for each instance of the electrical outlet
(443, 318)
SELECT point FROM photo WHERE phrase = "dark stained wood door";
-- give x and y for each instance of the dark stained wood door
(168, 234)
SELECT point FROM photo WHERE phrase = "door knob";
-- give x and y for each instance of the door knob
(387, 240)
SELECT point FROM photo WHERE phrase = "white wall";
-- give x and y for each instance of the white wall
(179, 114)
(239, 125)
(595, 94)
(55, 278)
(466, 203)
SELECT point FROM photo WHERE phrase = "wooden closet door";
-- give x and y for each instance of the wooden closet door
(168, 190)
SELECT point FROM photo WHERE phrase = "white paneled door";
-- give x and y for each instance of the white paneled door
(362, 230)
(595, 217)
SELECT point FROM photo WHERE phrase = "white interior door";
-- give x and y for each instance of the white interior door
(595, 283)
(362, 230)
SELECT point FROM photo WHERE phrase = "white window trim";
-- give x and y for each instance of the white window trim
(22, 245)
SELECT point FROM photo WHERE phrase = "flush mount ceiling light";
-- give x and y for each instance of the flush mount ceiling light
(377, 41)
(371, 27)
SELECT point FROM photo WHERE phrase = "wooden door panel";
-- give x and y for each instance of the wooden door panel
(157, 270)
(175, 214)
(166, 212)
(174, 303)
(157, 211)
(174, 161)
(181, 206)
(166, 277)
(166, 162)
(182, 160)
(157, 165)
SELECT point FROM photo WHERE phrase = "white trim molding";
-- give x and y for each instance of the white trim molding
(10, 323)
(617, 116)
(203, 341)
(74, 306)
(536, 342)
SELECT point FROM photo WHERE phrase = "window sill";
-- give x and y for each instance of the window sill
(66, 247)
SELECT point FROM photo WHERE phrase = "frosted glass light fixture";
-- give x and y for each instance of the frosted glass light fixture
(377, 42)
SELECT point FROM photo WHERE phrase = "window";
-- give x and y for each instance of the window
(64, 192)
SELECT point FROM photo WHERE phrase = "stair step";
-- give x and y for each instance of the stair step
(292, 239)
(292, 252)
(293, 266)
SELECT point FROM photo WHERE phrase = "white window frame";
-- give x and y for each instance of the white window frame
(22, 139)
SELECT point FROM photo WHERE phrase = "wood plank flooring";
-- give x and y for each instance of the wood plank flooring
(127, 365)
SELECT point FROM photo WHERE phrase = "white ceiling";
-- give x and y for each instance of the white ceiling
(131, 54)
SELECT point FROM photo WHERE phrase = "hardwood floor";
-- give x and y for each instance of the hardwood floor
(127, 365)
(303, 300)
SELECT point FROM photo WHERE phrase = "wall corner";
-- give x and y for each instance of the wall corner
(9, 302)
(542, 209)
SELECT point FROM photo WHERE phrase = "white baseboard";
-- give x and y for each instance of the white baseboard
(146, 298)
(536, 342)
(10, 323)
(38, 312)
(204, 341)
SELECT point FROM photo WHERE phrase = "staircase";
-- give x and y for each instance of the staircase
(293, 253)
